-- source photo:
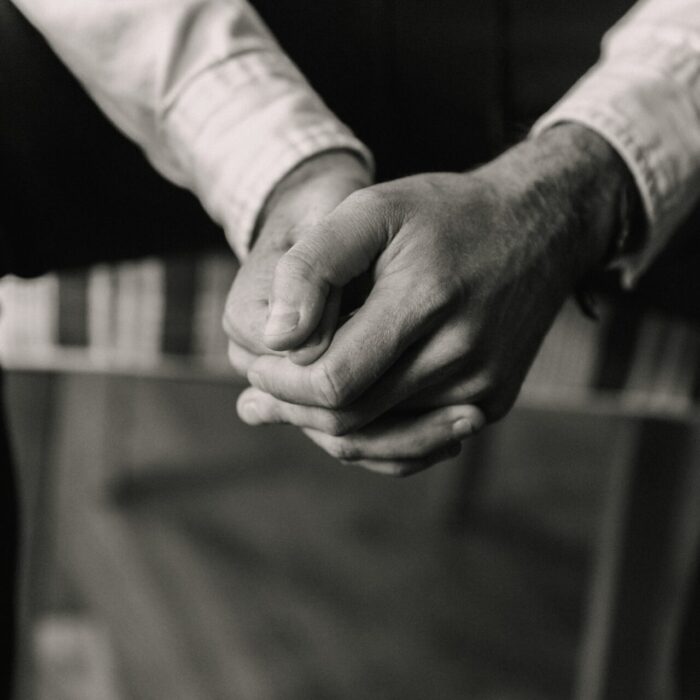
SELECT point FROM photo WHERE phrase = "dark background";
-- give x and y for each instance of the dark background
(428, 85)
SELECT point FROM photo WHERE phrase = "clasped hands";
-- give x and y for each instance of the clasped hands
(390, 322)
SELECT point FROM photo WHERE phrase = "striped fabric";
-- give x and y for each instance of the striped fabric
(128, 317)
(646, 361)
(143, 316)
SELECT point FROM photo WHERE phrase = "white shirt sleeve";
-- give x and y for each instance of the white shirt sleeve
(204, 89)
(643, 97)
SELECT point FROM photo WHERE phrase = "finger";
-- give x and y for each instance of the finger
(247, 303)
(470, 389)
(321, 338)
(245, 315)
(408, 434)
(255, 407)
(353, 364)
(243, 320)
(495, 395)
(407, 467)
(332, 253)
(240, 358)
(403, 437)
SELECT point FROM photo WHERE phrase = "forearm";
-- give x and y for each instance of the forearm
(576, 194)
(643, 98)
(204, 89)
(293, 198)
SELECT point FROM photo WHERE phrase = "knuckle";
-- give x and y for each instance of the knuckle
(380, 203)
(439, 295)
(488, 380)
(335, 424)
(482, 381)
(453, 356)
(400, 470)
(367, 198)
(343, 450)
(296, 264)
(332, 393)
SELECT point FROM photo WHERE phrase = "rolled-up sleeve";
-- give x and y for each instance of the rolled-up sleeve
(203, 88)
(643, 97)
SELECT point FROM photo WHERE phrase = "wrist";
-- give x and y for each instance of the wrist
(307, 191)
(582, 188)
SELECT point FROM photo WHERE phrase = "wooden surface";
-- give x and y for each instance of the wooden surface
(646, 561)
(232, 563)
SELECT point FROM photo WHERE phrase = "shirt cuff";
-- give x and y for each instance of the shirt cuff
(641, 101)
(244, 124)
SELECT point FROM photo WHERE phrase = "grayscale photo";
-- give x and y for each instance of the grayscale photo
(350, 349)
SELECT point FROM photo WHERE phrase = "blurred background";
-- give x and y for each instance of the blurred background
(171, 552)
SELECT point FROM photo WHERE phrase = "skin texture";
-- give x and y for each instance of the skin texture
(398, 443)
(467, 272)
(300, 201)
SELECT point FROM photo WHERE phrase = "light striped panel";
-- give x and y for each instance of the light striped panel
(649, 362)
(136, 316)
(131, 316)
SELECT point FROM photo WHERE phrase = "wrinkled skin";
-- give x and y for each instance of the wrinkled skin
(468, 273)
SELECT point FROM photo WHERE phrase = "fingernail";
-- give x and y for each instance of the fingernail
(250, 413)
(463, 427)
(281, 320)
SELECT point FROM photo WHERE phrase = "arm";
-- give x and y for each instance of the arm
(471, 270)
(643, 98)
(204, 89)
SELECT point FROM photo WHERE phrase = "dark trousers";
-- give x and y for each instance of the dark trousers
(9, 541)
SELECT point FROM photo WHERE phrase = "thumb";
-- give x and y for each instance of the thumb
(332, 253)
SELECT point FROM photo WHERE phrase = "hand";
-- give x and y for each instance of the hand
(399, 443)
(303, 198)
(469, 272)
